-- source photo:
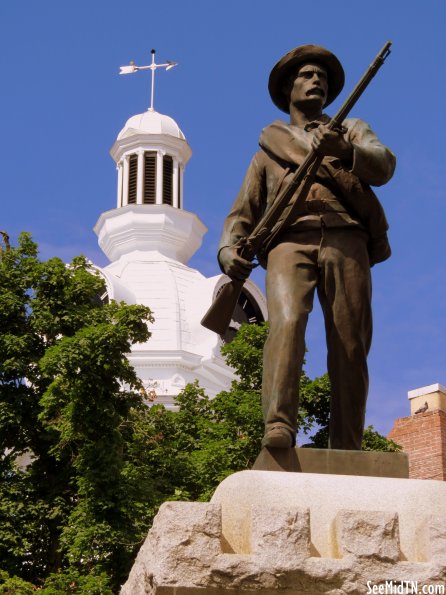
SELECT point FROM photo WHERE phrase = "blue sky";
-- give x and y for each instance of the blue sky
(63, 103)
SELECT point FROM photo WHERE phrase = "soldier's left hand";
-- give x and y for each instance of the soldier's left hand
(329, 142)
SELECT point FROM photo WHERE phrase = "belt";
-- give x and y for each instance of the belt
(318, 206)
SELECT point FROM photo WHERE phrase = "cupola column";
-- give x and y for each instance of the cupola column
(180, 182)
(125, 185)
(140, 180)
(119, 193)
(159, 177)
(175, 184)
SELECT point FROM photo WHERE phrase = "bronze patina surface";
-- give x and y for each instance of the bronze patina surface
(337, 234)
(335, 462)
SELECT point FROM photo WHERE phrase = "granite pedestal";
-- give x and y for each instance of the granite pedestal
(298, 534)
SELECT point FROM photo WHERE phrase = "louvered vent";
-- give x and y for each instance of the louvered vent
(133, 176)
(149, 197)
(167, 180)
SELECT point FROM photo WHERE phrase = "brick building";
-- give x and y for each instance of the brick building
(422, 435)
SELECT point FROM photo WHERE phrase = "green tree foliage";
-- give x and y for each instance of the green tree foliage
(67, 399)
(99, 461)
(373, 440)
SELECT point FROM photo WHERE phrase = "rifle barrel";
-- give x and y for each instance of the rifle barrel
(348, 104)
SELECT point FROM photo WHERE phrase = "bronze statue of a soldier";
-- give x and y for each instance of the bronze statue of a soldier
(337, 234)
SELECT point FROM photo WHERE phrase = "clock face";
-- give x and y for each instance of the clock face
(246, 311)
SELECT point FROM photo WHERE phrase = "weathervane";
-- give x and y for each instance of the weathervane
(133, 68)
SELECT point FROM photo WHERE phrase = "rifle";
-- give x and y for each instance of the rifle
(219, 315)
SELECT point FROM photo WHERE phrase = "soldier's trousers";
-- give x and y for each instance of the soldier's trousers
(333, 261)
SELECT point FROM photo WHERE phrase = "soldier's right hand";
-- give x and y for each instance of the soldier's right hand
(233, 264)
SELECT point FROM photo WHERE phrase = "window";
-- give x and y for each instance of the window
(167, 180)
(149, 190)
(133, 175)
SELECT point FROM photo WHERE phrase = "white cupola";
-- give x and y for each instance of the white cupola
(149, 238)
(150, 154)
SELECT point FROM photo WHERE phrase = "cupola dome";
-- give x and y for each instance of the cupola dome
(151, 122)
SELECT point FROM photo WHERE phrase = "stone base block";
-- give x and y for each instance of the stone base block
(297, 533)
(336, 462)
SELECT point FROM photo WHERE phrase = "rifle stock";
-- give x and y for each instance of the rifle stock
(219, 315)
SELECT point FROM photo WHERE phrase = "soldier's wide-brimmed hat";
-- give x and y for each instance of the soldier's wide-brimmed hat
(301, 55)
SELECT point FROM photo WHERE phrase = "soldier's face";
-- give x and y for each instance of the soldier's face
(310, 86)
